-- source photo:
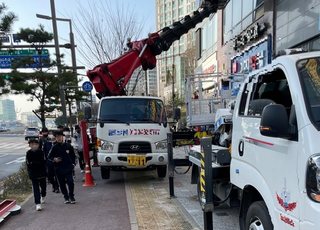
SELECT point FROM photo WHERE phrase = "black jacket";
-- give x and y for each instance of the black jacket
(36, 164)
(66, 152)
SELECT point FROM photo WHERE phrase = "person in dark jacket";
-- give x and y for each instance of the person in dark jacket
(44, 137)
(36, 165)
(48, 144)
(63, 156)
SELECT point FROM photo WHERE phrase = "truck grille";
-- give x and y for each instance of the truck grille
(135, 147)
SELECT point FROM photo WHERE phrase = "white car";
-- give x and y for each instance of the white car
(31, 133)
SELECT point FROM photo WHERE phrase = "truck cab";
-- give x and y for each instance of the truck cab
(132, 134)
(275, 154)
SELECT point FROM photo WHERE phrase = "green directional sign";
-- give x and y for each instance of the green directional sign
(23, 52)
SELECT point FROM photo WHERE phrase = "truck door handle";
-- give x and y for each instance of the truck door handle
(241, 148)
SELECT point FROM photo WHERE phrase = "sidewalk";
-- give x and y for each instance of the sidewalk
(136, 200)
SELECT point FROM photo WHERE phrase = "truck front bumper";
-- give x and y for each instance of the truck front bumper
(132, 160)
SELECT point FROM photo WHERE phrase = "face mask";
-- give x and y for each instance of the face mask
(34, 147)
(50, 136)
(78, 130)
(45, 135)
(66, 133)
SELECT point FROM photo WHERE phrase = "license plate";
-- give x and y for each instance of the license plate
(134, 160)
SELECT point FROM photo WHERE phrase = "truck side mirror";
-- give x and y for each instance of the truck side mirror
(87, 113)
(274, 121)
(176, 114)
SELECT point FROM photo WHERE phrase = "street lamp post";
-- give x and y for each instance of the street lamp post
(72, 47)
(56, 42)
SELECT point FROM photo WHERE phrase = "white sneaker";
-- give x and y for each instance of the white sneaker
(38, 207)
(43, 199)
(82, 171)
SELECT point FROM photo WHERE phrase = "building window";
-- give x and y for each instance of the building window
(238, 15)
(198, 43)
(180, 11)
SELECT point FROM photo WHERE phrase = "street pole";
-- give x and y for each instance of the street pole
(146, 83)
(74, 61)
(173, 91)
(56, 42)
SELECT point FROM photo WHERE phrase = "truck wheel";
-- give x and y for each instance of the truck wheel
(162, 171)
(105, 173)
(258, 217)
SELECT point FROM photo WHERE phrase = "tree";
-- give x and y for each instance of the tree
(178, 101)
(6, 21)
(103, 36)
(190, 59)
(71, 92)
(39, 85)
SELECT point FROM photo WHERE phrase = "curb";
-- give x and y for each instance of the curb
(132, 213)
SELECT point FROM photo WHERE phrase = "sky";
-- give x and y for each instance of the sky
(27, 10)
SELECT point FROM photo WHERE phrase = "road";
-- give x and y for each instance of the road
(13, 149)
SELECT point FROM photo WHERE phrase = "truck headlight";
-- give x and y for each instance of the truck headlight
(106, 145)
(313, 178)
(161, 144)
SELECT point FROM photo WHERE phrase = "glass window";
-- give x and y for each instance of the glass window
(246, 7)
(309, 71)
(236, 9)
(243, 101)
(128, 110)
(247, 21)
(227, 20)
(257, 3)
(180, 11)
(259, 12)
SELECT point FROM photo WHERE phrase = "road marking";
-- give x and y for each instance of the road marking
(18, 160)
(3, 155)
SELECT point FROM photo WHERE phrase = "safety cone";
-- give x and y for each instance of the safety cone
(88, 182)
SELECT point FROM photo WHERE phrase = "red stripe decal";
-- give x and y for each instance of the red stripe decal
(263, 142)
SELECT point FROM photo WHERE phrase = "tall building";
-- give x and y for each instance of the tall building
(138, 86)
(7, 110)
(179, 57)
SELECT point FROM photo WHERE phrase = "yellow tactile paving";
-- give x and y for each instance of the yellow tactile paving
(153, 207)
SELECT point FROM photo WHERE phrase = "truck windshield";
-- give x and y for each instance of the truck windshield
(309, 71)
(132, 110)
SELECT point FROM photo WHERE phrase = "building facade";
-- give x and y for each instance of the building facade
(247, 34)
(7, 110)
(177, 61)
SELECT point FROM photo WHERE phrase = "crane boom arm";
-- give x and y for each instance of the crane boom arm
(110, 79)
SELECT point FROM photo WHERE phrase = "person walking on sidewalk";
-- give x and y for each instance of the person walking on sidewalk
(63, 156)
(78, 138)
(36, 166)
(50, 165)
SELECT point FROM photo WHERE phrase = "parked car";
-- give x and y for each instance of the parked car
(31, 133)
(3, 129)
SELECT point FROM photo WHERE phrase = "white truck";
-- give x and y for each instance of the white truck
(273, 172)
(132, 133)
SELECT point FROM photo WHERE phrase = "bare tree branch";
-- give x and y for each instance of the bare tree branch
(102, 31)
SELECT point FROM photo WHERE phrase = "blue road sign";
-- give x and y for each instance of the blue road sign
(4, 38)
(14, 38)
(87, 86)
(5, 61)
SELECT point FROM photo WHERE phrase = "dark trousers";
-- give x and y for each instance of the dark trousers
(52, 176)
(64, 179)
(36, 185)
(81, 160)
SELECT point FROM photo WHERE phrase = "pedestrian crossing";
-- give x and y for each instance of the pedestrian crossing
(14, 145)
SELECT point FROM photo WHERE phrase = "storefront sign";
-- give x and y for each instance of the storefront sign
(248, 35)
(255, 57)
